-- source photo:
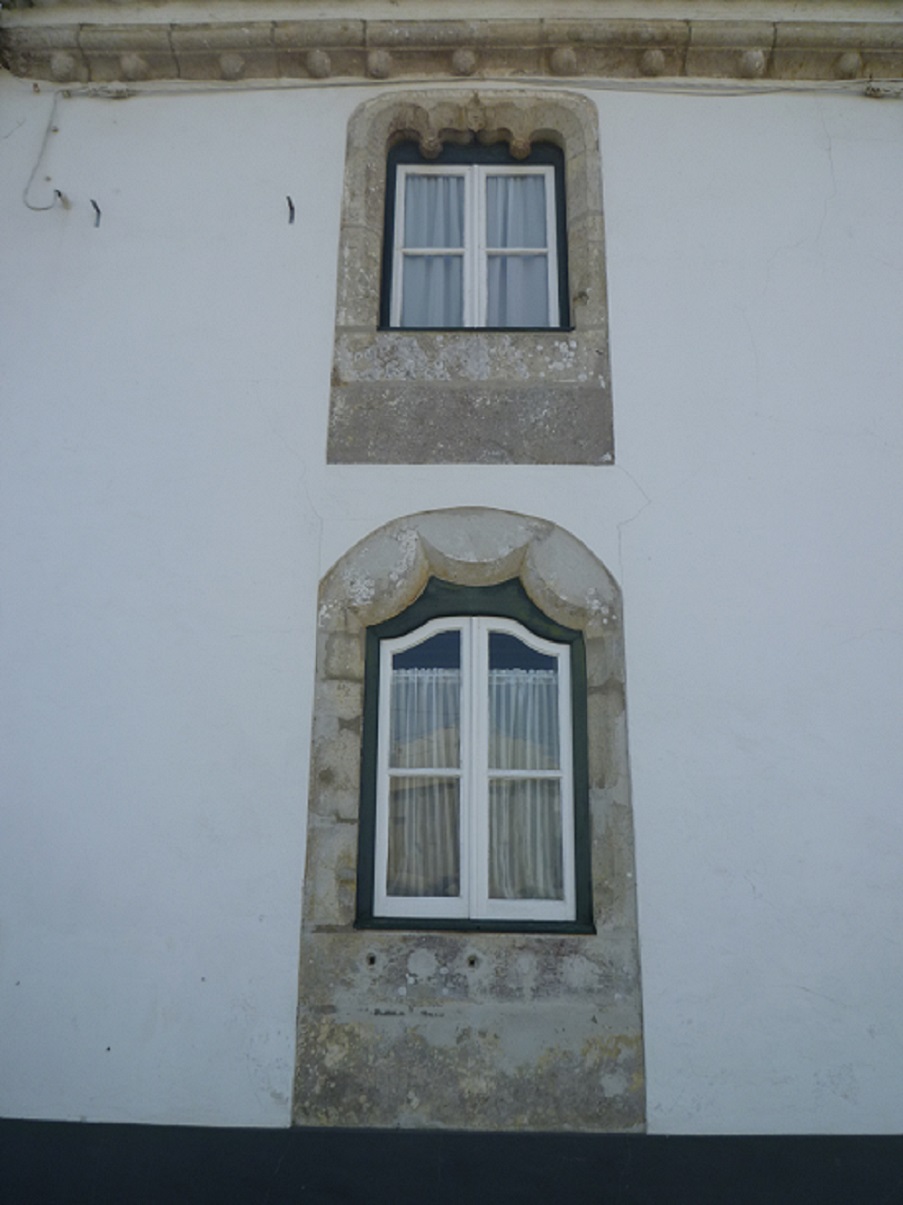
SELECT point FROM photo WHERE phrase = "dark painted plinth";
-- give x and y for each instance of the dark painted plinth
(55, 1163)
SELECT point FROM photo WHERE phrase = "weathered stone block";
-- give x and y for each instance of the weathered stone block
(412, 423)
(329, 885)
(344, 657)
(481, 1030)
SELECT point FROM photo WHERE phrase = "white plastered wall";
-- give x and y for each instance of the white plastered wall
(166, 514)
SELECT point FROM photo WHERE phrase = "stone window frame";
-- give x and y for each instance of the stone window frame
(471, 396)
(441, 1006)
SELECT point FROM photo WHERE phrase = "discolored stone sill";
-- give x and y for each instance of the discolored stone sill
(428, 422)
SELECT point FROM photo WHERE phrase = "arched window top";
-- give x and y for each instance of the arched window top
(383, 575)
(437, 117)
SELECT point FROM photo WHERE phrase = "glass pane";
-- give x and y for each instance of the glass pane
(434, 211)
(518, 291)
(525, 855)
(424, 847)
(432, 292)
(425, 704)
(523, 706)
(515, 211)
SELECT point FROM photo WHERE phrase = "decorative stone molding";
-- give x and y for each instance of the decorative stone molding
(474, 396)
(705, 42)
(478, 1030)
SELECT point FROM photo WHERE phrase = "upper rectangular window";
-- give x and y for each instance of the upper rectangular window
(472, 239)
(475, 240)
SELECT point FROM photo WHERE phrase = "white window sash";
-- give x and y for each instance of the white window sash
(400, 252)
(483, 251)
(475, 253)
(482, 904)
(474, 776)
(436, 907)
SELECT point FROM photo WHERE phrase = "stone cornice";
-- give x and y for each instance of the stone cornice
(121, 42)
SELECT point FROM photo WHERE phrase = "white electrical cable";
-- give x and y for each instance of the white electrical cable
(51, 125)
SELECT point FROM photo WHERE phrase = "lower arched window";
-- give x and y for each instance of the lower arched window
(474, 780)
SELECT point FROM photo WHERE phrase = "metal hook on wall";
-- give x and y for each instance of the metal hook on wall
(291, 211)
(96, 212)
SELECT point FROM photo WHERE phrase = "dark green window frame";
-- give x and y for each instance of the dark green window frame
(506, 600)
(545, 154)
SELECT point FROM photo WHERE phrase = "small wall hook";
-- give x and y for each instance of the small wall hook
(291, 211)
(96, 212)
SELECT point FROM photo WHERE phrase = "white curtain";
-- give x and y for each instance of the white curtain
(525, 856)
(424, 842)
(424, 733)
(433, 285)
(525, 859)
(523, 719)
(518, 289)
(425, 721)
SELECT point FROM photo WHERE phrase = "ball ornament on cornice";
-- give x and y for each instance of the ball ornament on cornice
(231, 66)
(379, 64)
(752, 64)
(652, 62)
(464, 61)
(849, 65)
(318, 64)
(62, 66)
(563, 61)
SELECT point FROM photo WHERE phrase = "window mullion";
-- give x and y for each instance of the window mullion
(398, 249)
(566, 765)
(381, 852)
(478, 268)
(551, 246)
(465, 796)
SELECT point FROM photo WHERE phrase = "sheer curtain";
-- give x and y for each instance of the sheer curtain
(424, 810)
(518, 289)
(525, 855)
(433, 283)
(516, 263)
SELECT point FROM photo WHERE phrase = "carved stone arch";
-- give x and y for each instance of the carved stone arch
(516, 118)
(475, 396)
(484, 1030)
